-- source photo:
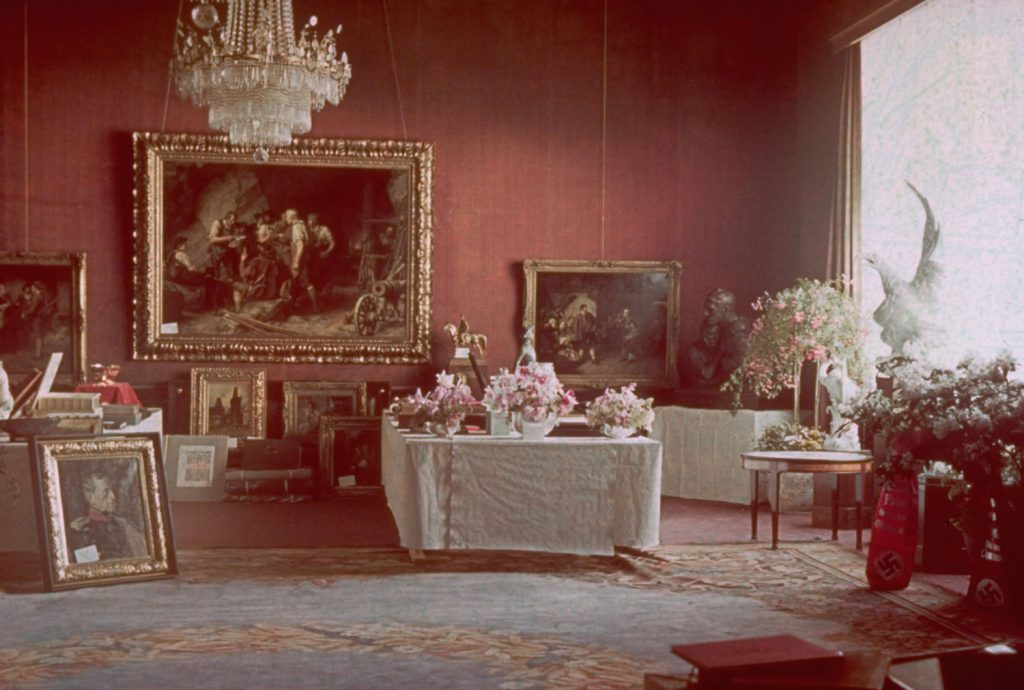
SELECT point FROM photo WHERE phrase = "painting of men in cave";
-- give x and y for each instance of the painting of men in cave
(41, 313)
(604, 326)
(284, 250)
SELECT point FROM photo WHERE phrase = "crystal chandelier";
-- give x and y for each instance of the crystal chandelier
(260, 83)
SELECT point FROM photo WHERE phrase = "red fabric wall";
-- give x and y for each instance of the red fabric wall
(698, 162)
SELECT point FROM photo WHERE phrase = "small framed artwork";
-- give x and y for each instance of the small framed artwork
(102, 510)
(605, 323)
(305, 402)
(195, 467)
(42, 311)
(229, 402)
(349, 456)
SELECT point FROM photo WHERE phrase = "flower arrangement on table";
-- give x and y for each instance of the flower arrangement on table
(812, 321)
(444, 408)
(620, 413)
(791, 436)
(532, 390)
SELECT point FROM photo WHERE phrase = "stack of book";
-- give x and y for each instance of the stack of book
(787, 662)
(271, 470)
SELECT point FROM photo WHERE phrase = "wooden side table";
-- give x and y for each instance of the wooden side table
(832, 462)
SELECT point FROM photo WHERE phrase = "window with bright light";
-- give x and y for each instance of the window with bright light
(943, 108)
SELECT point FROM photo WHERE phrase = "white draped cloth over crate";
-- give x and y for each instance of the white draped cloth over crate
(565, 495)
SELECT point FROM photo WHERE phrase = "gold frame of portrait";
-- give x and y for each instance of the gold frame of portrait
(153, 151)
(295, 391)
(330, 425)
(48, 453)
(75, 264)
(669, 376)
(199, 409)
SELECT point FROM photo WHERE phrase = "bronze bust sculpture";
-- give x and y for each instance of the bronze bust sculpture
(722, 343)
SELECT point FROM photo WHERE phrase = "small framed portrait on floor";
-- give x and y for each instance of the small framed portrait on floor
(102, 510)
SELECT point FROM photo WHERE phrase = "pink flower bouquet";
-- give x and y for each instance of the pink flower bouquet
(533, 391)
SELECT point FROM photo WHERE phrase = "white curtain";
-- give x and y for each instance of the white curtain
(943, 108)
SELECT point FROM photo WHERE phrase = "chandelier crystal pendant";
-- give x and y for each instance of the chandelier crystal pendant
(260, 83)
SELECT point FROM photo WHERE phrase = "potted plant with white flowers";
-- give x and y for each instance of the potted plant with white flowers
(621, 413)
(532, 395)
(444, 408)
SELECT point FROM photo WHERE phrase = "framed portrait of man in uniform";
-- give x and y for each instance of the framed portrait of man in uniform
(102, 510)
(320, 254)
(605, 323)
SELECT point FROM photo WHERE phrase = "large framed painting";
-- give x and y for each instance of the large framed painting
(42, 310)
(229, 401)
(305, 402)
(102, 510)
(321, 254)
(605, 323)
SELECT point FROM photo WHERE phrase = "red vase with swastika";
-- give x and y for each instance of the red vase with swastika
(893, 535)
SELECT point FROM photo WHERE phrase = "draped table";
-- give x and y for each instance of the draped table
(569, 495)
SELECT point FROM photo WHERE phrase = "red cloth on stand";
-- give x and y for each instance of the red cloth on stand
(111, 393)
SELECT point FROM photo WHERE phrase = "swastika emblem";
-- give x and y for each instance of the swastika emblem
(889, 564)
(989, 594)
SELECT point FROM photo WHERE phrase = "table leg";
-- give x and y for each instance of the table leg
(834, 486)
(858, 485)
(753, 505)
(773, 497)
(416, 554)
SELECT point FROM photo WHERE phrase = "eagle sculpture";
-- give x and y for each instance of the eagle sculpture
(906, 313)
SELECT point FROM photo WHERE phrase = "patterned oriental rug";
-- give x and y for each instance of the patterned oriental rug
(369, 618)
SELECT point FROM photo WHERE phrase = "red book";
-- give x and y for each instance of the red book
(718, 661)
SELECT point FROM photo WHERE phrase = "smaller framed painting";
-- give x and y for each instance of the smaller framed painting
(229, 401)
(102, 511)
(349, 456)
(42, 311)
(305, 402)
(195, 467)
(605, 323)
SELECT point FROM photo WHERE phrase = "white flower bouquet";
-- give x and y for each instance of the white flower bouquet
(621, 413)
(533, 391)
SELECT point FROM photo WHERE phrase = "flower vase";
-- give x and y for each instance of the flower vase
(612, 431)
(537, 431)
(445, 429)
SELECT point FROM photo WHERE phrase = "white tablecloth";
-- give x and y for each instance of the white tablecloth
(567, 495)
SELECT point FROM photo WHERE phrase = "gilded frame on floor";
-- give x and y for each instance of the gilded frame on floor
(367, 299)
(605, 323)
(305, 402)
(363, 442)
(102, 510)
(60, 277)
(243, 415)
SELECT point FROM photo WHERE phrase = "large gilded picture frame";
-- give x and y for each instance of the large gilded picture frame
(321, 254)
(42, 310)
(605, 323)
(102, 510)
(228, 401)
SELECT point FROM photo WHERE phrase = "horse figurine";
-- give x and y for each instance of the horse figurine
(462, 337)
